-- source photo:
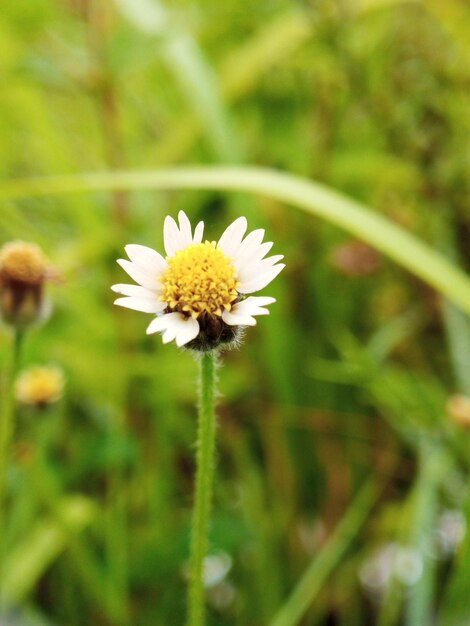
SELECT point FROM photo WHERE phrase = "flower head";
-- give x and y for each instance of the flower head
(200, 291)
(39, 386)
(23, 271)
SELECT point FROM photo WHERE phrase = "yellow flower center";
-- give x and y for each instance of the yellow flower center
(200, 278)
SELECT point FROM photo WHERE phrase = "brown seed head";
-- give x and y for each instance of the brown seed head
(23, 271)
(23, 262)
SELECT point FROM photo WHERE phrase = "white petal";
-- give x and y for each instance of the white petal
(175, 326)
(160, 324)
(187, 331)
(257, 301)
(145, 305)
(252, 239)
(146, 258)
(144, 278)
(198, 232)
(250, 271)
(235, 318)
(251, 255)
(169, 334)
(238, 316)
(171, 236)
(271, 260)
(135, 290)
(242, 313)
(185, 229)
(262, 280)
(232, 236)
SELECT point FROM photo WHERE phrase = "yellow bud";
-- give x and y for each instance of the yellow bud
(40, 386)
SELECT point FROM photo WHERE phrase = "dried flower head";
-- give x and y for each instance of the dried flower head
(23, 271)
(355, 258)
(40, 385)
(199, 292)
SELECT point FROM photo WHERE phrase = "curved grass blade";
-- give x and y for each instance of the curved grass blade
(314, 198)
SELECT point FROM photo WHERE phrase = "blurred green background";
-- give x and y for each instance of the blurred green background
(345, 383)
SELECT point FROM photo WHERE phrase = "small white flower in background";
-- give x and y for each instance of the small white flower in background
(450, 532)
(391, 561)
(216, 568)
(199, 292)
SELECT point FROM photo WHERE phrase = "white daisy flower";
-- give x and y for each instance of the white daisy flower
(200, 291)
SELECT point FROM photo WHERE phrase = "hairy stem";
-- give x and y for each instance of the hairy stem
(203, 491)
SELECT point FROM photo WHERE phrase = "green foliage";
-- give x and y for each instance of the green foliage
(364, 108)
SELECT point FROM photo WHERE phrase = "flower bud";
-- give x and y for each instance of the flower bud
(23, 271)
(458, 410)
(40, 386)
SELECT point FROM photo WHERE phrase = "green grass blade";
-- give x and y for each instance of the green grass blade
(327, 559)
(190, 70)
(455, 608)
(239, 74)
(27, 563)
(433, 463)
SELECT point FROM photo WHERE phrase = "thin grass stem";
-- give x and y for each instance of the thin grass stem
(432, 465)
(6, 424)
(326, 560)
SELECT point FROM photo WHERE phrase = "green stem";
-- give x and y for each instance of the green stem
(7, 422)
(203, 491)
(6, 433)
(116, 524)
(8, 409)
